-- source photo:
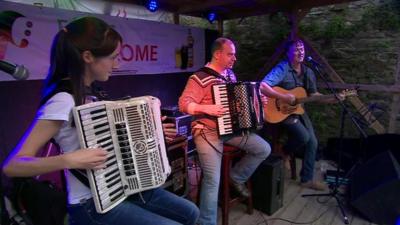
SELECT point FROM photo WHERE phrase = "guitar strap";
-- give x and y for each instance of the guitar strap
(306, 84)
(294, 117)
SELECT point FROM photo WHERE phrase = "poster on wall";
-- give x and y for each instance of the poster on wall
(148, 47)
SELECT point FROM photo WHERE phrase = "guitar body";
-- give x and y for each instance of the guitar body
(276, 110)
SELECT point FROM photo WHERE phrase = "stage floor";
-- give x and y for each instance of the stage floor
(298, 209)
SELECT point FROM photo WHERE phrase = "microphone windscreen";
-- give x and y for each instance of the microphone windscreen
(20, 73)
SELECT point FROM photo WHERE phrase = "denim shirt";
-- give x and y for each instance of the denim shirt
(284, 76)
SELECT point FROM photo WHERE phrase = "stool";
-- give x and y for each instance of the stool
(276, 132)
(226, 201)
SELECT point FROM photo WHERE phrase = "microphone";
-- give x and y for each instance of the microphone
(312, 61)
(19, 72)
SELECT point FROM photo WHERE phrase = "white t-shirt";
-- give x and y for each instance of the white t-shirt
(59, 107)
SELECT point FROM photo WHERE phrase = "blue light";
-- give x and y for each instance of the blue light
(398, 221)
(152, 5)
(211, 17)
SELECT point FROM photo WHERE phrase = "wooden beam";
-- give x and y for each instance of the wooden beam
(357, 103)
(233, 12)
(363, 87)
(232, 9)
(305, 4)
(263, 9)
(203, 6)
(241, 13)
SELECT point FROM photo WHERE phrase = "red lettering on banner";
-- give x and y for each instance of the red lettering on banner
(140, 55)
(153, 53)
(138, 52)
(126, 49)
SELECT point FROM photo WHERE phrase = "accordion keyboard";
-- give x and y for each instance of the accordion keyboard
(97, 133)
(224, 122)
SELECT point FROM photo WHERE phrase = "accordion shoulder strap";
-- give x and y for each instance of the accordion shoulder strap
(212, 72)
(80, 175)
(207, 76)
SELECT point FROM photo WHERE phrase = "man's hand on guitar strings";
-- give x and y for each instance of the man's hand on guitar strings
(289, 99)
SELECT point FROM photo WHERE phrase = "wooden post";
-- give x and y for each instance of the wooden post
(221, 27)
(270, 63)
(176, 18)
(294, 24)
(294, 18)
(395, 106)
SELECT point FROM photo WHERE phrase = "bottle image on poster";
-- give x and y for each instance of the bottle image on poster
(178, 58)
(184, 57)
(190, 43)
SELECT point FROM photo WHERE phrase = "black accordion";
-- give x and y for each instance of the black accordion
(242, 100)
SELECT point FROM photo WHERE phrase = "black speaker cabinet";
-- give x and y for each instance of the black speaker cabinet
(375, 189)
(267, 183)
(177, 182)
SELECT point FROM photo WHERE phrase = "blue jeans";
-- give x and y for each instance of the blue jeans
(257, 150)
(159, 207)
(301, 135)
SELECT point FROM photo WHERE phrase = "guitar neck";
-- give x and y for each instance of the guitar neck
(314, 98)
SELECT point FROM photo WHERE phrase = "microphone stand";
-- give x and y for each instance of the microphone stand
(335, 192)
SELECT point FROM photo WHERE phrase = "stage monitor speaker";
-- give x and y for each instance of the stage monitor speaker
(375, 189)
(355, 150)
(267, 184)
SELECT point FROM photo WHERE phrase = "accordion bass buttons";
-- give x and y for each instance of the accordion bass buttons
(140, 147)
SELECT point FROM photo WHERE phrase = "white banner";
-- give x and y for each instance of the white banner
(26, 34)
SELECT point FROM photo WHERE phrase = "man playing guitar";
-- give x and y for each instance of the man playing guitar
(282, 86)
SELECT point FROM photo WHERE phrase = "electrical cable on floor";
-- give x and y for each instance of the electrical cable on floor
(323, 201)
(265, 221)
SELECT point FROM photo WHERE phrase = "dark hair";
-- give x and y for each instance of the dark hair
(290, 43)
(66, 63)
(218, 43)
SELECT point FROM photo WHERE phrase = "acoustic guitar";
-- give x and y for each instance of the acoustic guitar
(275, 110)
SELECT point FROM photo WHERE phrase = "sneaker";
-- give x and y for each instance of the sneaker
(315, 185)
(240, 188)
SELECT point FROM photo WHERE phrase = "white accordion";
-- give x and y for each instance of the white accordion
(131, 131)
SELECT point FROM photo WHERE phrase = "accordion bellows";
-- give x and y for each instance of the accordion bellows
(131, 131)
